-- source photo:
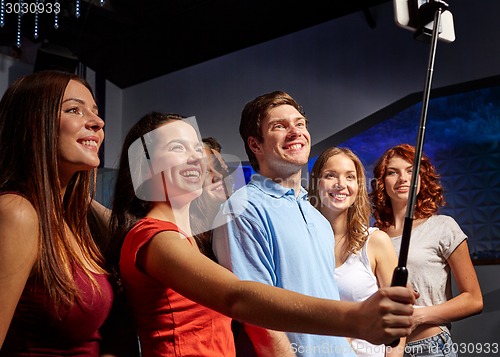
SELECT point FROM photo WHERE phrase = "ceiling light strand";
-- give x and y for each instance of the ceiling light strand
(2, 13)
(35, 28)
(35, 8)
(56, 14)
(19, 21)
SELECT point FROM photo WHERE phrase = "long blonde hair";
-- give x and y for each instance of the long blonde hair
(358, 214)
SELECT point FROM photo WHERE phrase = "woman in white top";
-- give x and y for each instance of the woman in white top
(438, 247)
(364, 257)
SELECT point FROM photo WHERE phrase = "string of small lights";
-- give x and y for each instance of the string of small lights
(35, 8)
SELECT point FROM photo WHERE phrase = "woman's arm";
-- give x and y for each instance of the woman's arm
(18, 253)
(384, 260)
(468, 302)
(101, 212)
(382, 256)
(171, 259)
(268, 342)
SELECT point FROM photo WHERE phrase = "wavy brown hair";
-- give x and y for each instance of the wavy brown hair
(429, 198)
(29, 165)
(358, 214)
(203, 209)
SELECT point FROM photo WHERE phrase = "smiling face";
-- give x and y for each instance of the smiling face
(178, 156)
(397, 179)
(286, 142)
(338, 184)
(214, 186)
(80, 131)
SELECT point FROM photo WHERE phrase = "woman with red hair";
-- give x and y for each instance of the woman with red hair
(438, 247)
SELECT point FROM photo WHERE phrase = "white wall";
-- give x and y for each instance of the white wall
(10, 70)
(113, 127)
(340, 71)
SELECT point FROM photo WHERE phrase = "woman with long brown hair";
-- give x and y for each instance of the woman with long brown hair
(54, 291)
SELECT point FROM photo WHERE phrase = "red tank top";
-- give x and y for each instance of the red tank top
(37, 330)
(168, 323)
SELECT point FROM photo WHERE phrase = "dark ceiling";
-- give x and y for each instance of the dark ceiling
(132, 41)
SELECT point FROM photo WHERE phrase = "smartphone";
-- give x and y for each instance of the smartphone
(407, 16)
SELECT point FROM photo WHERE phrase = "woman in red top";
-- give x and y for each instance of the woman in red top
(179, 297)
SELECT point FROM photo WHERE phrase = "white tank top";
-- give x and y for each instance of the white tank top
(357, 282)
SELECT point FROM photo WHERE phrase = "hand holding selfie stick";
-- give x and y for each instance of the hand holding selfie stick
(400, 275)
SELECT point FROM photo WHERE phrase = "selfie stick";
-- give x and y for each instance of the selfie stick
(400, 275)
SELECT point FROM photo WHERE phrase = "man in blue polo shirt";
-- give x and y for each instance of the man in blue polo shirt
(269, 232)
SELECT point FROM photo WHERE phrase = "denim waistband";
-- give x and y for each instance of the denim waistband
(442, 336)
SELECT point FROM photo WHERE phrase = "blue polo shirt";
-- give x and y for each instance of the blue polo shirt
(264, 233)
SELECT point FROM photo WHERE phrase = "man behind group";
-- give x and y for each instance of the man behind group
(272, 233)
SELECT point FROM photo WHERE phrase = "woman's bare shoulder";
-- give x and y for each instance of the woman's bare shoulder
(379, 240)
(17, 214)
(379, 237)
(20, 236)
